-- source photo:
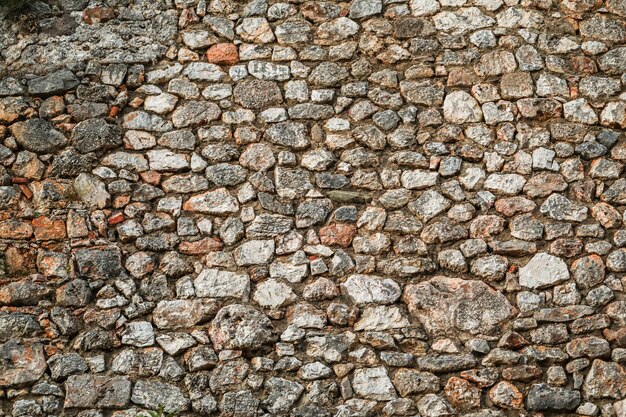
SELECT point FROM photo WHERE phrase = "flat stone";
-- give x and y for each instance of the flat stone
(97, 391)
(152, 394)
(605, 380)
(543, 270)
(175, 314)
(20, 364)
(58, 82)
(543, 397)
(366, 289)
(274, 294)
(290, 134)
(257, 94)
(94, 135)
(460, 107)
(373, 384)
(446, 305)
(218, 202)
(214, 283)
(38, 135)
(241, 327)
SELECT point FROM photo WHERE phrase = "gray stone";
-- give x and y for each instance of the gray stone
(58, 82)
(241, 327)
(38, 135)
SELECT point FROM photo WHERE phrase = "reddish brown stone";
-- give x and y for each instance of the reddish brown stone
(22, 364)
(120, 201)
(486, 227)
(606, 215)
(116, 219)
(338, 234)
(583, 64)
(506, 395)
(200, 247)
(618, 337)
(583, 191)
(20, 261)
(462, 394)
(52, 107)
(544, 184)
(514, 205)
(512, 340)
(15, 229)
(223, 53)
(48, 229)
(318, 12)
(26, 191)
(98, 15)
(522, 373)
(151, 177)
(566, 247)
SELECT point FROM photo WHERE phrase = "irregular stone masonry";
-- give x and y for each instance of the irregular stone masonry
(313, 208)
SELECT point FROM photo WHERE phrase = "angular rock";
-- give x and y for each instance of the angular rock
(241, 327)
(445, 305)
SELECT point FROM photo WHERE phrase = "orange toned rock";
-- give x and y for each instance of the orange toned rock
(512, 340)
(15, 229)
(506, 395)
(200, 247)
(19, 261)
(606, 215)
(98, 14)
(223, 53)
(48, 229)
(22, 364)
(151, 177)
(116, 218)
(26, 191)
(514, 205)
(121, 201)
(76, 225)
(462, 394)
(338, 234)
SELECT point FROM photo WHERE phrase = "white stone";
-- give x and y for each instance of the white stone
(460, 107)
(212, 202)
(370, 289)
(254, 252)
(543, 270)
(91, 190)
(163, 103)
(381, 318)
(373, 384)
(203, 71)
(273, 294)
(461, 21)
(424, 7)
(138, 333)
(214, 283)
(287, 271)
(579, 111)
(166, 160)
(419, 179)
(508, 184)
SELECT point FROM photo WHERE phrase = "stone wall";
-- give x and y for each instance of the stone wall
(313, 209)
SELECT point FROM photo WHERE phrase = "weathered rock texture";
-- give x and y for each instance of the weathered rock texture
(313, 208)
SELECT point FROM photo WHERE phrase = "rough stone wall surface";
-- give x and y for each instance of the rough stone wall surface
(313, 208)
